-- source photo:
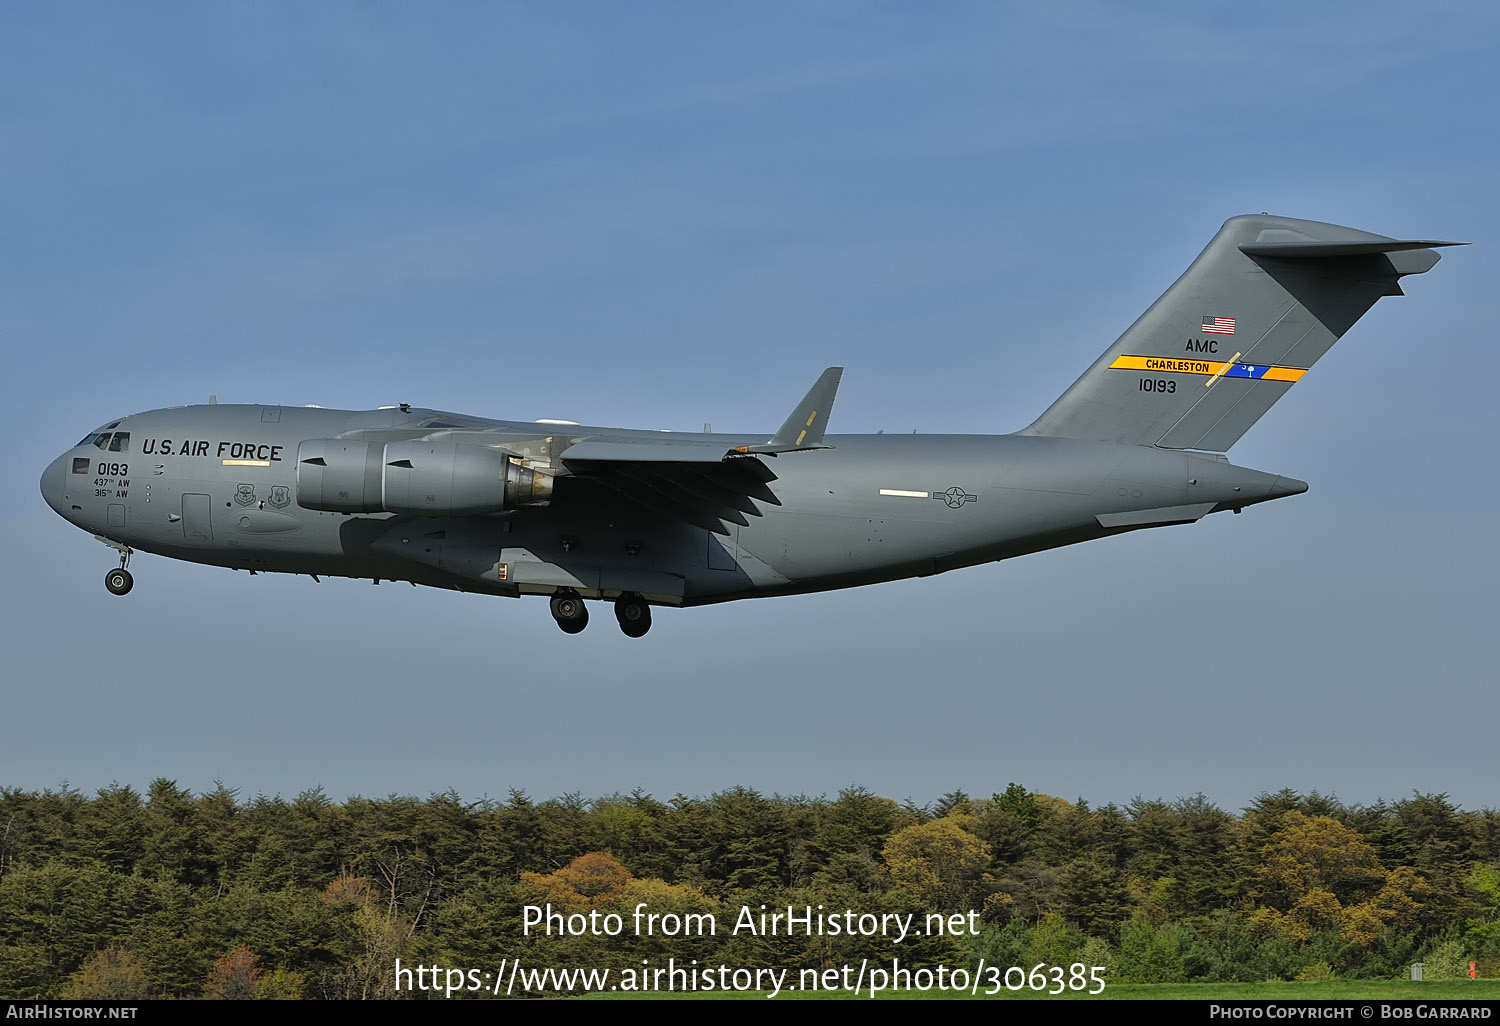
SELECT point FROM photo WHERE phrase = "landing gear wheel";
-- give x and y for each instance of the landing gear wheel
(569, 611)
(634, 614)
(119, 582)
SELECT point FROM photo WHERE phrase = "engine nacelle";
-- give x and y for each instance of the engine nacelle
(432, 479)
(437, 479)
(339, 476)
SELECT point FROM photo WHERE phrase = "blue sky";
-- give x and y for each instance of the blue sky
(656, 215)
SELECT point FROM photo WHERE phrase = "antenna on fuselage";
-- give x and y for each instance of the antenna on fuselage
(213, 400)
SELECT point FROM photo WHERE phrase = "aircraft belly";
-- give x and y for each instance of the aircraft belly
(802, 546)
(532, 553)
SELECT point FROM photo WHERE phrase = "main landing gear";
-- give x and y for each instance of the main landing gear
(569, 611)
(633, 613)
(631, 609)
(119, 582)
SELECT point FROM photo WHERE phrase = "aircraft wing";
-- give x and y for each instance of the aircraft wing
(634, 450)
(684, 481)
(703, 481)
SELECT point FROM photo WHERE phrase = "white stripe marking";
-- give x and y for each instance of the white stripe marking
(903, 493)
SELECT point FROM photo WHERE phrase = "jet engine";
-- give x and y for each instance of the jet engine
(428, 479)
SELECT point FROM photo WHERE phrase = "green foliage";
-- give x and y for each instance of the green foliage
(110, 975)
(1028, 892)
(1315, 973)
(1095, 895)
(1052, 942)
(280, 985)
(953, 803)
(1483, 930)
(174, 894)
(1448, 960)
(940, 862)
(1150, 953)
(999, 945)
(1097, 952)
(1008, 822)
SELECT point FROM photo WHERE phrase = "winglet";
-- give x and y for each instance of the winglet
(804, 428)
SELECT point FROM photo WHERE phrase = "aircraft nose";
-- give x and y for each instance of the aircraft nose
(54, 483)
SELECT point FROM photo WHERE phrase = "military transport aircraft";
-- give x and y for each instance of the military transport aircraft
(649, 518)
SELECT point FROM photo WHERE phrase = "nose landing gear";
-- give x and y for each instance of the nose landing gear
(569, 611)
(634, 614)
(119, 582)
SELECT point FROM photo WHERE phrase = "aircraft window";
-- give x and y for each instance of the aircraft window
(81, 464)
(120, 442)
(88, 438)
(101, 441)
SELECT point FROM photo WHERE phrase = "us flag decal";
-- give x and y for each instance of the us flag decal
(1219, 325)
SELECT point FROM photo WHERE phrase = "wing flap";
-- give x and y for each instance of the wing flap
(651, 499)
(704, 480)
(705, 495)
(666, 487)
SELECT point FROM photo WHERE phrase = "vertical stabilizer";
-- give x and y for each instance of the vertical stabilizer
(1266, 298)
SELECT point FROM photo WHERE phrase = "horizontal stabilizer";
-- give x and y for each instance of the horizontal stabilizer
(1310, 249)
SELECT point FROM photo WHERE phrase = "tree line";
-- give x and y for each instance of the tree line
(172, 894)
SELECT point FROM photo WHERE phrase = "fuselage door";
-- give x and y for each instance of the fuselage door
(196, 510)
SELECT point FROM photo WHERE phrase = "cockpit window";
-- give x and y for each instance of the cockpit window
(100, 439)
(120, 442)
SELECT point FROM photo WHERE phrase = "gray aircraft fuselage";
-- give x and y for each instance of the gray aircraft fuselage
(218, 485)
(659, 518)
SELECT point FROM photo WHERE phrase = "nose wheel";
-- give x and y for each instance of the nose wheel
(569, 611)
(119, 582)
(634, 614)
